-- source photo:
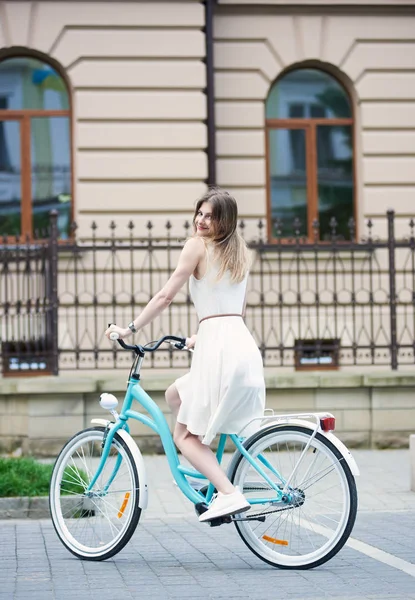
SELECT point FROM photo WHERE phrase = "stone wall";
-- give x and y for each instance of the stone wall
(39, 415)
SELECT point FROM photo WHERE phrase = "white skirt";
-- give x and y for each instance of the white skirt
(225, 387)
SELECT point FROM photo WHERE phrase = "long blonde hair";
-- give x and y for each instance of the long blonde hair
(229, 247)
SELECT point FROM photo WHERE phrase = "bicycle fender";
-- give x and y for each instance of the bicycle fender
(344, 451)
(138, 458)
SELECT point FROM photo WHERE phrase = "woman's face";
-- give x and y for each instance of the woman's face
(203, 220)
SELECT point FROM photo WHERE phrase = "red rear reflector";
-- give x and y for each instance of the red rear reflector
(328, 423)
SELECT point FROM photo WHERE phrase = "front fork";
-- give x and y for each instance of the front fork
(109, 433)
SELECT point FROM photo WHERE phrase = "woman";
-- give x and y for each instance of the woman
(225, 388)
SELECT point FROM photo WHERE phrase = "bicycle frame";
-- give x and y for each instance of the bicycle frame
(93, 523)
(157, 422)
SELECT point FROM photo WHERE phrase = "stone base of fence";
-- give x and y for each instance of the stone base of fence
(412, 460)
(38, 415)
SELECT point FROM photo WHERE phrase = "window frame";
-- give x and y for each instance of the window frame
(23, 117)
(309, 125)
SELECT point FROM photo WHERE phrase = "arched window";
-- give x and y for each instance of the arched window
(35, 148)
(309, 128)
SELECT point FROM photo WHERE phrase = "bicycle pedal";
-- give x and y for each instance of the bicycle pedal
(219, 521)
(201, 507)
(262, 519)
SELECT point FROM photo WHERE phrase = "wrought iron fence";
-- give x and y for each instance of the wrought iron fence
(309, 304)
(29, 305)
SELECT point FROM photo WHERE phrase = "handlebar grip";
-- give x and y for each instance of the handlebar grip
(114, 336)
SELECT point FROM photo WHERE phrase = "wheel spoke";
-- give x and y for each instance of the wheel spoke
(97, 523)
(321, 499)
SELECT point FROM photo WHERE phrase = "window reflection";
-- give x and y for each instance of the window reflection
(10, 178)
(317, 183)
(334, 178)
(288, 179)
(33, 182)
(29, 83)
(51, 172)
(306, 94)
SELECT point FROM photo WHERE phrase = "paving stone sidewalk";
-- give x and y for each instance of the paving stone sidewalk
(171, 555)
(384, 483)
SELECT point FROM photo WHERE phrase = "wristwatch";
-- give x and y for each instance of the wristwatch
(132, 327)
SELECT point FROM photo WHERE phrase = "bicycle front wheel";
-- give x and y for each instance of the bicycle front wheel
(315, 518)
(94, 524)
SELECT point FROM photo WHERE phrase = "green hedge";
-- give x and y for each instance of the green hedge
(27, 477)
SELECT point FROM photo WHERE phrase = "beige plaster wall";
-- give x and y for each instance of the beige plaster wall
(373, 54)
(138, 76)
(138, 79)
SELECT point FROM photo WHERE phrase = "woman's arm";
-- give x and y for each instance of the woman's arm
(193, 251)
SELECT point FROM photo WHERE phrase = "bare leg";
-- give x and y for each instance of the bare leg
(199, 455)
(173, 400)
(202, 458)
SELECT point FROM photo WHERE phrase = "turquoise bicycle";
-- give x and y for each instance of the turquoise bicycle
(297, 475)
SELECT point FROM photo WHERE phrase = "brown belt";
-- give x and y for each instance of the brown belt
(216, 316)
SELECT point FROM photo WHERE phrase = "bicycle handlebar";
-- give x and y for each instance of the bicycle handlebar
(181, 343)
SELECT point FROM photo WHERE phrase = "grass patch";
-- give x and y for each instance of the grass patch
(26, 477)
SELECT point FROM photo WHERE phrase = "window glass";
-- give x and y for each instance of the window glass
(334, 179)
(28, 83)
(51, 172)
(305, 94)
(311, 159)
(288, 183)
(10, 178)
(35, 178)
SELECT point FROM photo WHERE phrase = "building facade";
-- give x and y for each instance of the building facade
(125, 111)
(131, 135)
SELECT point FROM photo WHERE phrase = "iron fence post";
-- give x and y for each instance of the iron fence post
(392, 288)
(52, 292)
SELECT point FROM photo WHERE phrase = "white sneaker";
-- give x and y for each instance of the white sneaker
(226, 504)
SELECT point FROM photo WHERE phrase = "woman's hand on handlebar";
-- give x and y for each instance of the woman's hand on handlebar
(120, 331)
(191, 342)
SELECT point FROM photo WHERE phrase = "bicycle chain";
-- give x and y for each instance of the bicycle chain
(268, 512)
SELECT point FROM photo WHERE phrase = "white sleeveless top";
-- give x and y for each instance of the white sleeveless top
(213, 297)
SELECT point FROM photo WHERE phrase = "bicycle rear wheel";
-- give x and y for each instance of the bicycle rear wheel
(94, 524)
(315, 520)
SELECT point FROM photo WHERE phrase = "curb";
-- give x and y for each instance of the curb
(36, 507)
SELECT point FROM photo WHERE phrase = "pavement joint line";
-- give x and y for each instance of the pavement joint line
(368, 550)
(382, 556)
